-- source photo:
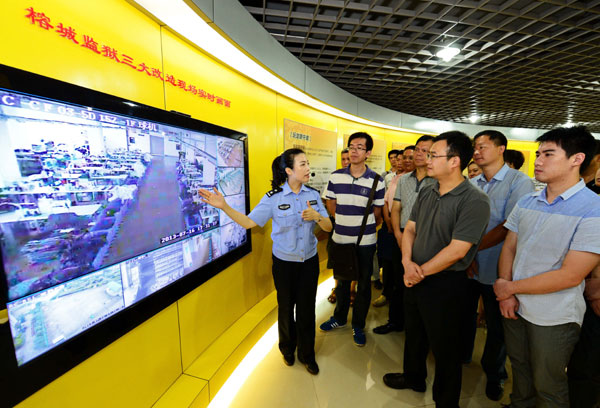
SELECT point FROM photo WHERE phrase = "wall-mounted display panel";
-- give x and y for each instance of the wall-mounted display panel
(101, 225)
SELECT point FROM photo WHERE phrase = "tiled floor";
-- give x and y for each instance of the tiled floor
(351, 376)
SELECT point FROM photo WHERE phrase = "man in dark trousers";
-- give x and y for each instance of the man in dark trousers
(439, 242)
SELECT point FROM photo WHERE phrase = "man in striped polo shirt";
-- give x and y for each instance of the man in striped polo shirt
(347, 195)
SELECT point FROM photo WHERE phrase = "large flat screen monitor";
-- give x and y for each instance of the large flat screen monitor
(99, 214)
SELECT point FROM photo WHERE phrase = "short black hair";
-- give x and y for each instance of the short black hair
(497, 137)
(472, 162)
(572, 140)
(424, 138)
(459, 145)
(597, 148)
(393, 151)
(362, 135)
(411, 147)
(514, 157)
(344, 150)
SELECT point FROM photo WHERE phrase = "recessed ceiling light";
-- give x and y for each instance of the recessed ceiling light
(474, 118)
(447, 53)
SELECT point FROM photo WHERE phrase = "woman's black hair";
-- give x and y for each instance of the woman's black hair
(285, 159)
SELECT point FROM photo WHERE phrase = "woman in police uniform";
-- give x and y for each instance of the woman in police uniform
(294, 208)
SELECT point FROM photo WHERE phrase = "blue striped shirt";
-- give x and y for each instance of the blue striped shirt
(504, 190)
(352, 195)
(546, 232)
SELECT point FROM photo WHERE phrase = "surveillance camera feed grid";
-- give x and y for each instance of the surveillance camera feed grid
(81, 190)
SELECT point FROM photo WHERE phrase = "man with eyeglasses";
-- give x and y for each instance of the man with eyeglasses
(347, 196)
(504, 186)
(439, 242)
(403, 199)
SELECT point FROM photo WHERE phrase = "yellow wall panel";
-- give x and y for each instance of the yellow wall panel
(526, 147)
(111, 23)
(131, 372)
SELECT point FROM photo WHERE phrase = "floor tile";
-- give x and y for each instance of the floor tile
(352, 376)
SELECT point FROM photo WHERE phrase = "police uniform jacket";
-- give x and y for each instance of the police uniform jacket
(293, 238)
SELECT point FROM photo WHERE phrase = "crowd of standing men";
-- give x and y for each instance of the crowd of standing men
(446, 242)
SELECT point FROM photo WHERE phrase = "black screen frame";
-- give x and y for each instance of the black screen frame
(19, 382)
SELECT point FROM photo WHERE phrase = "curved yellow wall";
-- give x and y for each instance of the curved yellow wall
(136, 369)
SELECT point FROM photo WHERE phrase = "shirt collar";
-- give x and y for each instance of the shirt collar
(542, 196)
(500, 174)
(288, 190)
(456, 190)
(414, 174)
(365, 174)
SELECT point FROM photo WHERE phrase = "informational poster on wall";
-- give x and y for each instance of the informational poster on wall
(377, 160)
(320, 147)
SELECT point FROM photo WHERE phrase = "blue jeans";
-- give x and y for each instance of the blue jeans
(363, 290)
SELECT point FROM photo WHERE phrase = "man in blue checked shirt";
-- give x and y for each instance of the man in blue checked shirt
(504, 186)
(552, 244)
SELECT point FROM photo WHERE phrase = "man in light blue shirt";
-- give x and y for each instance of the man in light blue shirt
(504, 186)
(552, 244)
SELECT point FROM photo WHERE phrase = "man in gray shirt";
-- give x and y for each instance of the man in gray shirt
(407, 189)
(439, 242)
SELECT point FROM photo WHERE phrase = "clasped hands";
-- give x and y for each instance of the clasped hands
(505, 295)
(413, 274)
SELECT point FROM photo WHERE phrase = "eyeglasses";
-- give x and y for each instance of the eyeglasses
(435, 156)
(357, 148)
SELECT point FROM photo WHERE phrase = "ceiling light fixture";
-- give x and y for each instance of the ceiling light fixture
(180, 18)
(447, 53)
(474, 118)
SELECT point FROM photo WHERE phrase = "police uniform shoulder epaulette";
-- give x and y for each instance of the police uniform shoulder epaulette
(312, 188)
(274, 191)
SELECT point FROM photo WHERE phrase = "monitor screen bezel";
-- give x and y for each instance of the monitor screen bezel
(18, 382)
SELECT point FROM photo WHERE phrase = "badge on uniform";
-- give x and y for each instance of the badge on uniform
(313, 202)
(283, 206)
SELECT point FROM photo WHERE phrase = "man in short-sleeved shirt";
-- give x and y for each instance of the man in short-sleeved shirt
(347, 196)
(552, 244)
(404, 195)
(439, 242)
(504, 186)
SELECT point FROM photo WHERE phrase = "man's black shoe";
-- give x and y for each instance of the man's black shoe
(311, 365)
(398, 381)
(289, 359)
(387, 328)
(494, 390)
